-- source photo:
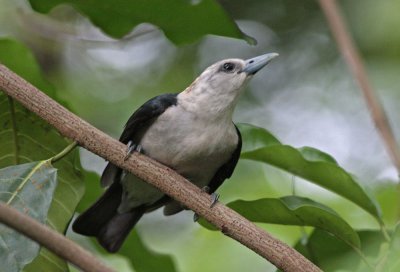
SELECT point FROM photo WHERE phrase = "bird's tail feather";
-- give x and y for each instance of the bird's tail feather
(103, 221)
(91, 221)
(112, 235)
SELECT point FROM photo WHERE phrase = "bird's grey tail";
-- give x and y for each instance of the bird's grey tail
(103, 221)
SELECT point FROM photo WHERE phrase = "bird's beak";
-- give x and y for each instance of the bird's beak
(254, 65)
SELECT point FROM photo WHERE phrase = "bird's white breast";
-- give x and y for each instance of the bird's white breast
(191, 145)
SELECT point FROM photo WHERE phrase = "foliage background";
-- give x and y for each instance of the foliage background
(306, 97)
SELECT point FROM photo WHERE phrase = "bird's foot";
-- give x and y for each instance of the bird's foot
(132, 147)
(214, 196)
(214, 200)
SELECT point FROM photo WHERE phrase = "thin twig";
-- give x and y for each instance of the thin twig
(64, 152)
(356, 66)
(168, 181)
(50, 239)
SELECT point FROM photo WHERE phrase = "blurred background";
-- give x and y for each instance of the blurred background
(306, 97)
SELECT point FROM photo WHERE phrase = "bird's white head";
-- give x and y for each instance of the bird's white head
(216, 90)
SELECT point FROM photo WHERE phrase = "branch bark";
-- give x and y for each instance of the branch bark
(353, 59)
(228, 221)
(52, 240)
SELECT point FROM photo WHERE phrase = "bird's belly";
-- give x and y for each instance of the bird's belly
(194, 152)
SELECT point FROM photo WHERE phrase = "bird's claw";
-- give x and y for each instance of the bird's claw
(214, 196)
(214, 200)
(132, 147)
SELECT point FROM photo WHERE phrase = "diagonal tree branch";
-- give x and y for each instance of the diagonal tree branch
(353, 59)
(51, 239)
(228, 221)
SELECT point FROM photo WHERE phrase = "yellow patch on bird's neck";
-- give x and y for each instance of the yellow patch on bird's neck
(191, 86)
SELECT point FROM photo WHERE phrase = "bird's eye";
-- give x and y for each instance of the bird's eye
(228, 67)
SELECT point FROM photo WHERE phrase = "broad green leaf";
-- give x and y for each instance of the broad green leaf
(313, 154)
(140, 256)
(332, 254)
(181, 20)
(24, 137)
(294, 210)
(310, 164)
(256, 137)
(28, 188)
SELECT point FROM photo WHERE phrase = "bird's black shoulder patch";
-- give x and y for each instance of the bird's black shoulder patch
(143, 116)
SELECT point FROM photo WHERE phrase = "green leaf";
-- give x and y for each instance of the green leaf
(294, 210)
(256, 137)
(181, 20)
(24, 137)
(332, 254)
(28, 188)
(313, 154)
(310, 164)
(140, 256)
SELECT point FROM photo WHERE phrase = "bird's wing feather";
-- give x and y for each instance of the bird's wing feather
(141, 119)
(143, 116)
(226, 170)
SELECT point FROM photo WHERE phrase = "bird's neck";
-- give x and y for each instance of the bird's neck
(208, 105)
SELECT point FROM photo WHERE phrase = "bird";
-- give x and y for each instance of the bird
(191, 132)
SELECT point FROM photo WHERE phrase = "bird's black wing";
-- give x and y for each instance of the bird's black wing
(143, 116)
(141, 119)
(226, 170)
